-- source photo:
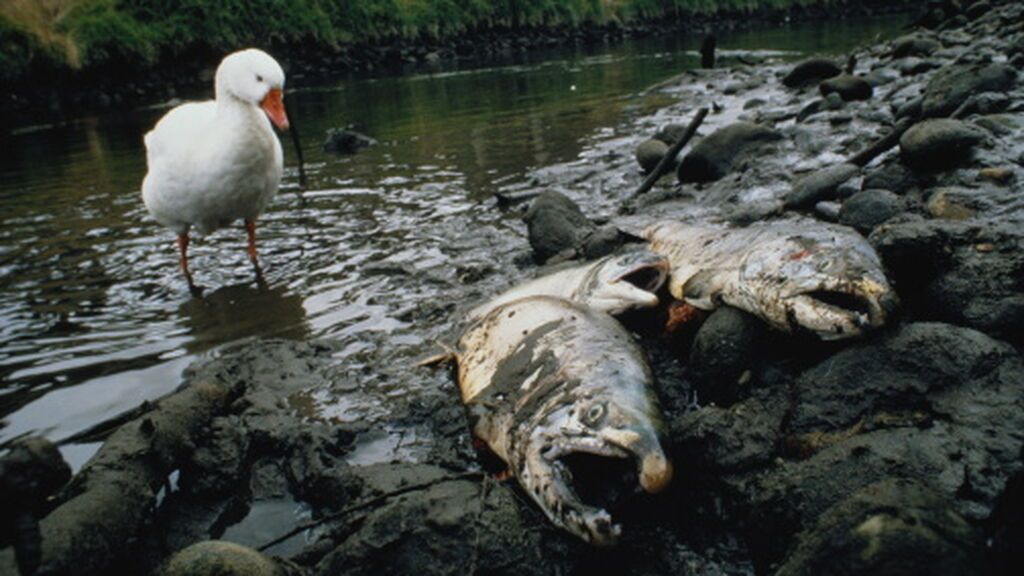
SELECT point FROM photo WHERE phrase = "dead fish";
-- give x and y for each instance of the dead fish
(563, 395)
(613, 284)
(797, 274)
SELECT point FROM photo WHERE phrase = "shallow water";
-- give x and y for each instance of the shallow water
(375, 254)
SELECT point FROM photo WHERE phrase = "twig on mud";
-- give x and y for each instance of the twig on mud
(367, 504)
(673, 151)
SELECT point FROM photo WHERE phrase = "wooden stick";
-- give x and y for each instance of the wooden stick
(864, 157)
(673, 151)
(298, 152)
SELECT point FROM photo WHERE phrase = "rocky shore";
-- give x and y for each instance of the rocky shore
(898, 453)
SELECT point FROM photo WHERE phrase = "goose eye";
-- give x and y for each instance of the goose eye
(259, 78)
(594, 414)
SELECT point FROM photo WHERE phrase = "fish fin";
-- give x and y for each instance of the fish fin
(702, 289)
(445, 358)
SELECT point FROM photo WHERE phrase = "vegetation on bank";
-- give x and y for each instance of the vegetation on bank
(54, 36)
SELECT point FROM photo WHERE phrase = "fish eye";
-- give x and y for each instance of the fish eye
(594, 414)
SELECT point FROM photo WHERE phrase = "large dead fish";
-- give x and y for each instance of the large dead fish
(613, 284)
(797, 274)
(564, 396)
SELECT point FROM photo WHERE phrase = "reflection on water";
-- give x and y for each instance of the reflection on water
(95, 316)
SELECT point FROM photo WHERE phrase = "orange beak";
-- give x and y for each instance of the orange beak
(273, 105)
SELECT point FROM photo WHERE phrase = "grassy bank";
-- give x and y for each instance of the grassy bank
(51, 37)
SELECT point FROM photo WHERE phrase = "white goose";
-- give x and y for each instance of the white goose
(211, 163)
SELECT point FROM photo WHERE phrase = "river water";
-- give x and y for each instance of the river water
(378, 253)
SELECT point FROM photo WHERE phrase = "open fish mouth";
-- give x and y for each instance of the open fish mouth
(839, 313)
(639, 285)
(597, 480)
(648, 277)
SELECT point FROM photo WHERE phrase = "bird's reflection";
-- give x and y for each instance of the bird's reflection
(238, 311)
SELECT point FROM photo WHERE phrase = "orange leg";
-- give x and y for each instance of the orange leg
(250, 229)
(183, 258)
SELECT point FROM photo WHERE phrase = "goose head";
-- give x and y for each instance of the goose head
(254, 77)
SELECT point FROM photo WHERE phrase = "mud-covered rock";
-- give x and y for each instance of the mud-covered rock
(31, 471)
(970, 273)
(893, 176)
(453, 527)
(931, 402)
(723, 358)
(219, 558)
(953, 85)
(849, 87)
(892, 528)
(725, 150)
(810, 72)
(939, 144)
(869, 208)
(555, 223)
(914, 45)
(670, 133)
(649, 153)
(820, 185)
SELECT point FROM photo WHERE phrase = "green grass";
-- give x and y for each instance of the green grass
(138, 34)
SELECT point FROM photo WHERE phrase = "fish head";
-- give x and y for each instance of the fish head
(625, 281)
(587, 458)
(831, 285)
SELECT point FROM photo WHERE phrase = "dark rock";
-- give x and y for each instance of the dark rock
(910, 109)
(345, 141)
(723, 357)
(725, 150)
(834, 101)
(812, 108)
(820, 185)
(707, 51)
(970, 273)
(850, 88)
(939, 144)
(215, 557)
(671, 133)
(828, 210)
(31, 471)
(953, 85)
(914, 45)
(893, 527)
(810, 72)
(453, 527)
(602, 242)
(882, 76)
(867, 209)
(649, 153)
(555, 223)
(986, 103)
(978, 9)
(893, 176)
(912, 66)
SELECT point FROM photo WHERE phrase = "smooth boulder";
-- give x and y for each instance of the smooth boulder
(848, 87)
(939, 144)
(724, 150)
(869, 208)
(820, 185)
(811, 72)
(649, 153)
(953, 85)
(555, 223)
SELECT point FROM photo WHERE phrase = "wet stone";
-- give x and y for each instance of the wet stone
(820, 185)
(649, 153)
(555, 223)
(723, 355)
(725, 150)
(937, 145)
(914, 45)
(953, 85)
(869, 208)
(215, 557)
(849, 88)
(810, 72)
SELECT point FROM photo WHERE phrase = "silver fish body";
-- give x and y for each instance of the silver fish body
(548, 383)
(797, 275)
(613, 284)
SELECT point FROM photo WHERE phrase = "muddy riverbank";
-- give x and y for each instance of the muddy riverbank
(48, 95)
(897, 454)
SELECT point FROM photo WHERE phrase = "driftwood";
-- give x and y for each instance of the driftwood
(673, 151)
(106, 503)
(864, 157)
